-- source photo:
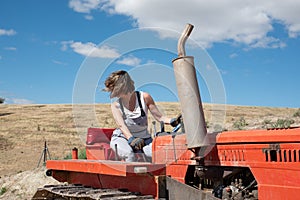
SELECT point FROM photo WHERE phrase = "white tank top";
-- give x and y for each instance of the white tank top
(136, 123)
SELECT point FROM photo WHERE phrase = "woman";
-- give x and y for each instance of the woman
(130, 113)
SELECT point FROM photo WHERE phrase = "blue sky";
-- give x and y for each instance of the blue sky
(60, 51)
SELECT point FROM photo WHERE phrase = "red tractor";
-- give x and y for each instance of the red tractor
(190, 164)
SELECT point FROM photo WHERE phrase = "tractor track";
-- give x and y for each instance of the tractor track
(79, 192)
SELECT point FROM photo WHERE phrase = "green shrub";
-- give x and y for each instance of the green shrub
(207, 124)
(297, 113)
(3, 190)
(81, 155)
(2, 100)
(283, 123)
(240, 124)
(267, 123)
(218, 128)
(68, 157)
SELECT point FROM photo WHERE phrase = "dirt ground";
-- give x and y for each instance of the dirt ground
(25, 128)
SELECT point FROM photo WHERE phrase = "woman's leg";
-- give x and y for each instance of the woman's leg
(123, 148)
(148, 148)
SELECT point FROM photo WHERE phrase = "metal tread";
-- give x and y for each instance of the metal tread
(79, 192)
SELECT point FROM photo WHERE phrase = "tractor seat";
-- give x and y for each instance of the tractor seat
(97, 144)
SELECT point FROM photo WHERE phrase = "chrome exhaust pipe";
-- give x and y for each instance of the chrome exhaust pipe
(189, 94)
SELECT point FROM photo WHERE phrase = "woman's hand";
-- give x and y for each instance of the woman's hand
(136, 143)
(175, 121)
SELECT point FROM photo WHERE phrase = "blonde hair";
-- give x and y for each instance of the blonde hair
(119, 82)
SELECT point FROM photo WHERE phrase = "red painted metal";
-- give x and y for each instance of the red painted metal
(107, 167)
(100, 151)
(97, 144)
(98, 135)
(258, 136)
(273, 156)
(168, 149)
(109, 174)
(74, 153)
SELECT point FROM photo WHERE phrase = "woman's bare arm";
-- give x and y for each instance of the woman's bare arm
(154, 110)
(119, 120)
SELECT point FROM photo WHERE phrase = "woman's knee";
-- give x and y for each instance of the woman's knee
(148, 150)
(122, 148)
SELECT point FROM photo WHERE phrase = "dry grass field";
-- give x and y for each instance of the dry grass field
(25, 128)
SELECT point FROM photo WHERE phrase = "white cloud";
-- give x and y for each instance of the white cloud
(223, 72)
(7, 32)
(233, 55)
(64, 45)
(89, 17)
(209, 67)
(59, 62)
(288, 13)
(244, 22)
(268, 42)
(130, 61)
(91, 50)
(10, 48)
(17, 101)
(84, 6)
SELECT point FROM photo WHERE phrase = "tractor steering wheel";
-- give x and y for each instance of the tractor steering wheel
(180, 123)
